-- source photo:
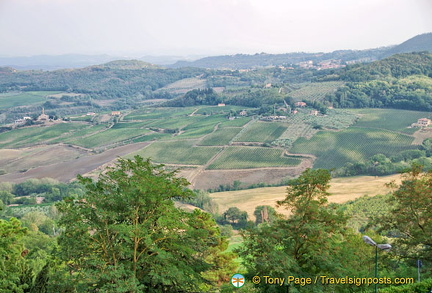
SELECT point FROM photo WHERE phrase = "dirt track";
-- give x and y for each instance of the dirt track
(66, 171)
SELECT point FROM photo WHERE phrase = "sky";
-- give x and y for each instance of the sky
(206, 27)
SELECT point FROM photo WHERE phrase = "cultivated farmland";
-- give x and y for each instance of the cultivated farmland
(181, 152)
(334, 149)
(264, 132)
(205, 140)
(252, 157)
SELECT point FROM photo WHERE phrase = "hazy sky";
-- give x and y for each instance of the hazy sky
(206, 27)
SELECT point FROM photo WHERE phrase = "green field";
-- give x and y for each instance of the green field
(315, 91)
(136, 125)
(10, 100)
(252, 157)
(265, 132)
(202, 126)
(158, 113)
(391, 119)
(207, 110)
(178, 152)
(174, 122)
(35, 135)
(334, 149)
(238, 122)
(220, 137)
(361, 133)
(108, 137)
(80, 133)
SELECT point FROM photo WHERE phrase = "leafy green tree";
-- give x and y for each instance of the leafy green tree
(312, 241)
(235, 217)
(410, 219)
(41, 282)
(6, 197)
(12, 253)
(126, 235)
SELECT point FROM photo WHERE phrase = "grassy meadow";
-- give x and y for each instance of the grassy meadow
(341, 190)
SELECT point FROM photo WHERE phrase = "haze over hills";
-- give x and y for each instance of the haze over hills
(239, 61)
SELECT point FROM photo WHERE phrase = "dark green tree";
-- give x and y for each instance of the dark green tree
(235, 217)
(410, 219)
(126, 235)
(12, 265)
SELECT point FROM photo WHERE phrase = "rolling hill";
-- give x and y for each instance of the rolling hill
(418, 43)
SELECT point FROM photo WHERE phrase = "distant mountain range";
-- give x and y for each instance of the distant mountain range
(239, 61)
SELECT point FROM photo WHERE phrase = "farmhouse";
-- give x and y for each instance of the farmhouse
(19, 121)
(300, 104)
(115, 113)
(422, 122)
(221, 105)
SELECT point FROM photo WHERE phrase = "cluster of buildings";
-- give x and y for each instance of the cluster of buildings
(41, 118)
(326, 64)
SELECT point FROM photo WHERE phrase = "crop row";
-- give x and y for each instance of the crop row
(252, 157)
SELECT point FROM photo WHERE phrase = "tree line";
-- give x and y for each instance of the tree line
(124, 233)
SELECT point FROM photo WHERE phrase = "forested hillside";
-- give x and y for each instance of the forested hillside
(418, 43)
(112, 80)
(401, 81)
(245, 61)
